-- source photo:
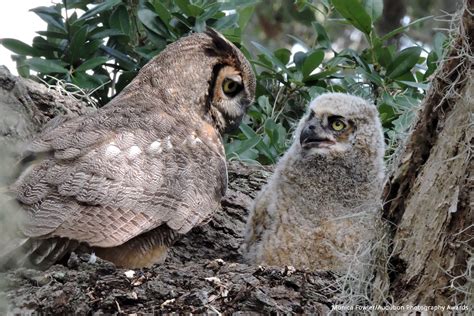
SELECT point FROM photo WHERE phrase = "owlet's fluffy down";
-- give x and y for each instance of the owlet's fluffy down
(319, 207)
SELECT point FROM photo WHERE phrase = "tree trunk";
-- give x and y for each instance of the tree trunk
(391, 19)
(428, 198)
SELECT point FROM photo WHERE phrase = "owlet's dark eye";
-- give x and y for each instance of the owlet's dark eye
(231, 87)
(338, 125)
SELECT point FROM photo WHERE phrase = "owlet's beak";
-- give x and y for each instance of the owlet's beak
(314, 136)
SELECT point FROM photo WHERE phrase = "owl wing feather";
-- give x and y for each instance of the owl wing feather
(104, 184)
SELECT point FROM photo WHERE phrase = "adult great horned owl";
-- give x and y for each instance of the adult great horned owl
(317, 210)
(125, 181)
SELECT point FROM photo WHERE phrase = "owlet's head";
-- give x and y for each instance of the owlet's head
(338, 123)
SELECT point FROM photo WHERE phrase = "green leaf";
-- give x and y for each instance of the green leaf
(316, 91)
(321, 75)
(248, 131)
(159, 42)
(77, 4)
(103, 32)
(46, 66)
(52, 10)
(403, 62)
(238, 147)
(19, 47)
(145, 52)
(162, 11)
(120, 20)
(419, 85)
(91, 47)
(403, 28)
(210, 11)
(244, 16)
(322, 37)
(85, 81)
(283, 55)
(311, 62)
(374, 8)
(299, 59)
(431, 63)
(260, 145)
(383, 55)
(52, 34)
(273, 132)
(189, 9)
(153, 23)
(77, 43)
(125, 61)
(264, 104)
(359, 60)
(104, 6)
(183, 20)
(355, 13)
(404, 121)
(47, 48)
(51, 16)
(255, 115)
(92, 63)
(52, 21)
(438, 43)
(272, 58)
(239, 4)
(229, 21)
(372, 76)
(234, 35)
(72, 20)
(305, 16)
(387, 113)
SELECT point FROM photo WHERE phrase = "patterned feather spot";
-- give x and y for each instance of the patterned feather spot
(155, 147)
(133, 152)
(112, 151)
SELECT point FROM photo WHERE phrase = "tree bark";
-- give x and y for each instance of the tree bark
(391, 19)
(428, 198)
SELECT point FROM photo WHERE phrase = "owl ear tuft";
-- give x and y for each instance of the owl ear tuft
(221, 47)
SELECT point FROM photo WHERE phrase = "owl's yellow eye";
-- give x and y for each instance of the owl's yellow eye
(230, 86)
(338, 125)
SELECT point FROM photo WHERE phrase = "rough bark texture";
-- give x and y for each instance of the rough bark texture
(428, 201)
(203, 286)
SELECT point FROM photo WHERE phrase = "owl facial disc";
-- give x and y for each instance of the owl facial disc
(323, 133)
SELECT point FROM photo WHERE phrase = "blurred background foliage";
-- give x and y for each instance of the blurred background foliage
(384, 51)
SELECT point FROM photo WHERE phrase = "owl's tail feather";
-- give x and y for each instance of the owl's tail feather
(34, 253)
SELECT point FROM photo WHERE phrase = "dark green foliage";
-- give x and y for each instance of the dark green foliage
(100, 48)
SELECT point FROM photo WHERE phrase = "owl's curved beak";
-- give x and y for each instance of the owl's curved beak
(313, 136)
